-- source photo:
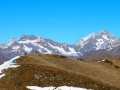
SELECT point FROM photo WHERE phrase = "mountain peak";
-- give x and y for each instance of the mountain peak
(98, 40)
(29, 37)
(103, 32)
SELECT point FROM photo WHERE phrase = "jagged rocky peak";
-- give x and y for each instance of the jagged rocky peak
(98, 40)
(103, 31)
(103, 34)
(30, 37)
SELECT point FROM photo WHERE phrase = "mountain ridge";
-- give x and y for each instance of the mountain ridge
(31, 43)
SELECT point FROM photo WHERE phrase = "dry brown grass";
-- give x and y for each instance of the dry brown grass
(55, 70)
(109, 57)
(48, 76)
(1, 62)
(101, 71)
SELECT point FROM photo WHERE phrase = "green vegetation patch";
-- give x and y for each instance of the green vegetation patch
(111, 63)
(116, 66)
(63, 56)
(108, 61)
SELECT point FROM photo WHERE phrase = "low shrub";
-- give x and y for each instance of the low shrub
(63, 56)
(108, 61)
(117, 67)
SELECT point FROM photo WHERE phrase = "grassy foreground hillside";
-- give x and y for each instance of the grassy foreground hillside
(55, 70)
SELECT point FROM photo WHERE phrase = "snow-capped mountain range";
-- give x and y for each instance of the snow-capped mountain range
(31, 43)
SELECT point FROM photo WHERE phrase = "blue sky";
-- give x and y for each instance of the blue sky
(59, 20)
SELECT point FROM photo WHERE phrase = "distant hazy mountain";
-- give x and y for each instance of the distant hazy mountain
(31, 43)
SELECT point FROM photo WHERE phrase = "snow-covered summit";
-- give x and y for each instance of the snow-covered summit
(30, 37)
(103, 31)
(98, 40)
(106, 35)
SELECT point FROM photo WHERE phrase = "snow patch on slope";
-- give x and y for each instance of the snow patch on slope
(8, 64)
(86, 38)
(54, 88)
(3, 46)
(28, 41)
(61, 50)
(105, 37)
(16, 47)
(48, 51)
(83, 41)
(109, 49)
(11, 42)
(27, 49)
(99, 43)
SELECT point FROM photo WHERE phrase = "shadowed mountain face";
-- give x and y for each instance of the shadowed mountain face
(109, 51)
(32, 43)
(3, 57)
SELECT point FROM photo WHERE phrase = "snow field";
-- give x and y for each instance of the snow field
(8, 64)
(54, 88)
